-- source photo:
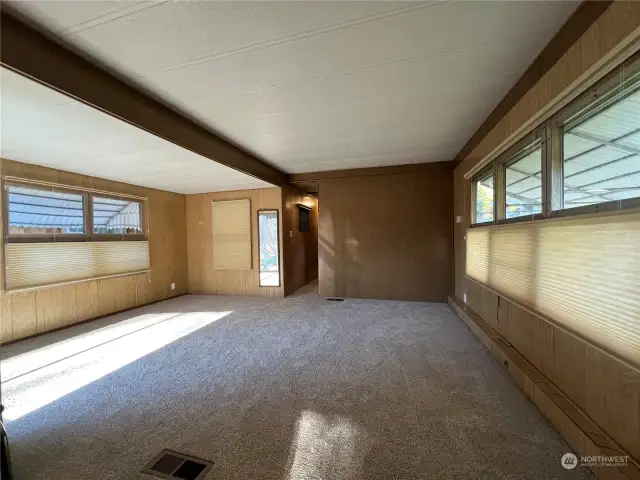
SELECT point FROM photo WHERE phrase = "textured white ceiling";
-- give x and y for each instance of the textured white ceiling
(311, 86)
(41, 126)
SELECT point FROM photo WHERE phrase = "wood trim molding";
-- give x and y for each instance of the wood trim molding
(578, 23)
(313, 177)
(31, 53)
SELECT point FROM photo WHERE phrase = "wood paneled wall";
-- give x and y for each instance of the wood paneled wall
(37, 311)
(387, 236)
(203, 279)
(607, 390)
(300, 248)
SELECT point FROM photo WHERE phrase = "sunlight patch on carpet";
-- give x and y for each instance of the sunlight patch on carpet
(327, 446)
(40, 377)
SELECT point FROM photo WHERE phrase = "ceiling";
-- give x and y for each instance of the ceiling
(314, 86)
(44, 127)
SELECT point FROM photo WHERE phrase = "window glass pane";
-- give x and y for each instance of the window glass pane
(484, 199)
(117, 216)
(35, 210)
(601, 151)
(269, 249)
(524, 185)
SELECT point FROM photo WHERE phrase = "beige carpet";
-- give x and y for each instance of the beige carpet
(295, 388)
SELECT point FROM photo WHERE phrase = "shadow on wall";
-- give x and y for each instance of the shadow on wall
(388, 236)
(339, 269)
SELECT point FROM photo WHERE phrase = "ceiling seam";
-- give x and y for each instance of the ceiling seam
(298, 36)
(428, 56)
(108, 17)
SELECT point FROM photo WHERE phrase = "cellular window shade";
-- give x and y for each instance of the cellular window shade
(232, 234)
(582, 273)
(38, 264)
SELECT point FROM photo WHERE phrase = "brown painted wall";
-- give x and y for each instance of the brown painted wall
(301, 248)
(387, 236)
(203, 279)
(29, 313)
(603, 387)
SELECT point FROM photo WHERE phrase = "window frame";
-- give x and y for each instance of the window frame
(550, 134)
(521, 148)
(482, 174)
(586, 104)
(117, 236)
(277, 212)
(87, 197)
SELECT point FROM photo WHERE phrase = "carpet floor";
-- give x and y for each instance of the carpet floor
(295, 388)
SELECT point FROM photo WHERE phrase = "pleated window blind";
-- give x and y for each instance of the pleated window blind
(583, 273)
(31, 265)
(232, 234)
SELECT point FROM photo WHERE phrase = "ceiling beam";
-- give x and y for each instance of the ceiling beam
(300, 179)
(27, 51)
(578, 23)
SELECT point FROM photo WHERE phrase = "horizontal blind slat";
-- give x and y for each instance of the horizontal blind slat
(36, 264)
(231, 225)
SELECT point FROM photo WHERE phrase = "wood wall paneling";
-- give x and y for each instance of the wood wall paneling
(31, 312)
(606, 389)
(613, 398)
(23, 314)
(202, 277)
(387, 236)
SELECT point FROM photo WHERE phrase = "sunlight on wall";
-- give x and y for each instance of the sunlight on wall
(38, 378)
(327, 446)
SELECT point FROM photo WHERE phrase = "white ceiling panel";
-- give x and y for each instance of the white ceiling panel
(61, 17)
(41, 126)
(195, 31)
(320, 85)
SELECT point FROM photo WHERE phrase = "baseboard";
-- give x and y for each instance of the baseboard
(582, 434)
(93, 319)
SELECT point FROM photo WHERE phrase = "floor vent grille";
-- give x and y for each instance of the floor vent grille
(336, 299)
(177, 466)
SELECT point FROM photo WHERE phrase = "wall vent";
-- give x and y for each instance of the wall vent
(335, 299)
(177, 466)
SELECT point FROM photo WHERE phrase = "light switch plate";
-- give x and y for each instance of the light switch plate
(173, 286)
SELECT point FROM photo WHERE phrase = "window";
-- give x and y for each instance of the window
(269, 247)
(601, 161)
(584, 159)
(484, 198)
(38, 213)
(116, 216)
(59, 235)
(44, 211)
(523, 181)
